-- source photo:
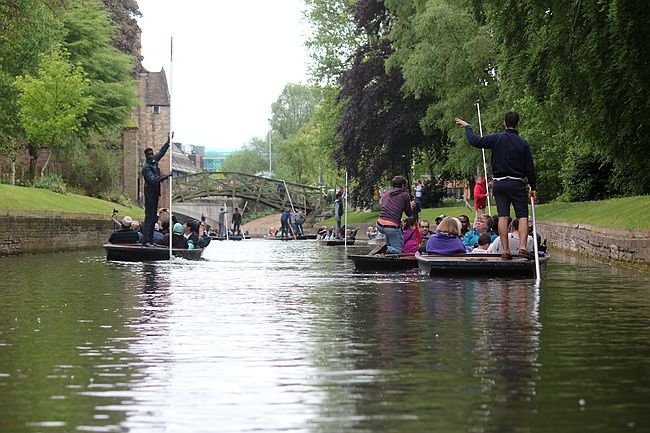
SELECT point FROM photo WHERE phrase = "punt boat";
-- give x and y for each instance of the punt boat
(478, 265)
(381, 262)
(141, 253)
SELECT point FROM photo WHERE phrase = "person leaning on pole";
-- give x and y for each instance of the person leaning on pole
(512, 161)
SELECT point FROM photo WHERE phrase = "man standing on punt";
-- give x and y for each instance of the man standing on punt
(512, 161)
(152, 179)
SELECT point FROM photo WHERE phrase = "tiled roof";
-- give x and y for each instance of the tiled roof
(157, 92)
(181, 162)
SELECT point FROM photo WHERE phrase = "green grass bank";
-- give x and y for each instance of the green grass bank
(23, 199)
(629, 213)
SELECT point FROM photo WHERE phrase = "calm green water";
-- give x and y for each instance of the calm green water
(286, 336)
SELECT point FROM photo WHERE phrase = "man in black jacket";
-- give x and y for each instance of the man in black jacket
(125, 235)
(152, 179)
(512, 161)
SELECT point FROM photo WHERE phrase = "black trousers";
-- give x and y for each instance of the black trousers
(150, 216)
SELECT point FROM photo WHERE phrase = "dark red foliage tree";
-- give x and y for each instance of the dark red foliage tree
(380, 128)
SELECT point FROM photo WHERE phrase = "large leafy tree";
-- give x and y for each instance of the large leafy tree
(27, 28)
(582, 69)
(333, 39)
(251, 159)
(53, 103)
(124, 14)
(293, 108)
(88, 39)
(446, 53)
(380, 127)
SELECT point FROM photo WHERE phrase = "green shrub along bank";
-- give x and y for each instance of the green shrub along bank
(629, 213)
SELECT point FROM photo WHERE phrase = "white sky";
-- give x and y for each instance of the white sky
(231, 61)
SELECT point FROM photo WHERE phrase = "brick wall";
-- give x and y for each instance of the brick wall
(131, 162)
(47, 232)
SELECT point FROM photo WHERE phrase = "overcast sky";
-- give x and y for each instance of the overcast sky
(231, 61)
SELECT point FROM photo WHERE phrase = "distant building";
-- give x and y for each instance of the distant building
(213, 160)
(182, 163)
(196, 154)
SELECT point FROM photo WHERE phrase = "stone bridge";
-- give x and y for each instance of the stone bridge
(255, 189)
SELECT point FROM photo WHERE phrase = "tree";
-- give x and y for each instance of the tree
(446, 53)
(52, 103)
(126, 39)
(251, 159)
(27, 28)
(380, 127)
(294, 108)
(88, 40)
(333, 40)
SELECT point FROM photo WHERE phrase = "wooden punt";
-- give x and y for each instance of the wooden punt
(290, 238)
(140, 253)
(230, 237)
(336, 242)
(381, 262)
(486, 265)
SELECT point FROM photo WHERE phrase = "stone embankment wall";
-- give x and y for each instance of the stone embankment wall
(630, 249)
(47, 232)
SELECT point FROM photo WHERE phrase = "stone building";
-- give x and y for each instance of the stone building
(149, 128)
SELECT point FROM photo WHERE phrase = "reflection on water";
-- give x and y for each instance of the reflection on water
(287, 336)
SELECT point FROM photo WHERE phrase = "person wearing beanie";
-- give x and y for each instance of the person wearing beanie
(178, 240)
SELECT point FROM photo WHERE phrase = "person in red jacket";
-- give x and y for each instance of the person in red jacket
(480, 196)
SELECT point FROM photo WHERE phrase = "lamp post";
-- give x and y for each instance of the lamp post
(269, 140)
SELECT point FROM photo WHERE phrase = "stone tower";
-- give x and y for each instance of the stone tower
(150, 128)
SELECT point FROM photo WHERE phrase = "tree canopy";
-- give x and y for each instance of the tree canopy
(576, 73)
(90, 37)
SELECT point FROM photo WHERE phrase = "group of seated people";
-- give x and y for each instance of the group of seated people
(189, 235)
(373, 233)
(454, 236)
(451, 235)
(325, 233)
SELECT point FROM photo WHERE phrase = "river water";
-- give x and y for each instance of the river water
(267, 336)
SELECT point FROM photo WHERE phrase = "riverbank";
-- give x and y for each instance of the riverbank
(615, 231)
(29, 232)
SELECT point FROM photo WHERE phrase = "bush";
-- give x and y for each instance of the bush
(114, 196)
(51, 182)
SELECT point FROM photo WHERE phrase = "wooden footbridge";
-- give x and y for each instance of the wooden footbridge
(255, 189)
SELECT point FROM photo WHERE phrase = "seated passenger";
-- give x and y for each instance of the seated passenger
(178, 240)
(410, 241)
(204, 238)
(483, 244)
(351, 234)
(483, 224)
(466, 226)
(191, 231)
(426, 234)
(125, 235)
(371, 232)
(445, 240)
(437, 220)
(513, 240)
(135, 226)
